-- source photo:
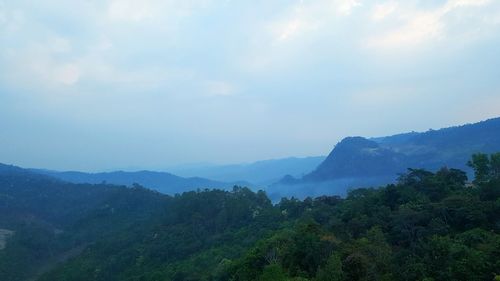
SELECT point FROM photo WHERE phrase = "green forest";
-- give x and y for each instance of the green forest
(426, 226)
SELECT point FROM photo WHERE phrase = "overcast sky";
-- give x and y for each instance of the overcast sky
(98, 85)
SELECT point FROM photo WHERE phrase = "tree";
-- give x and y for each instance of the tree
(332, 271)
(273, 272)
(485, 168)
(480, 163)
(356, 267)
(495, 165)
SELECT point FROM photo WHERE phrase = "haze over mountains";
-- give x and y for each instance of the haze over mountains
(260, 173)
(171, 140)
(354, 162)
(74, 224)
(358, 161)
(435, 222)
(160, 181)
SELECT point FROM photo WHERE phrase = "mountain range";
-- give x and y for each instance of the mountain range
(353, 162)
(259, 173)
(358, 161)
(163, 182)
(55, 230)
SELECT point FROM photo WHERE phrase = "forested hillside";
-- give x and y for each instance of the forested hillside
(51, 221)
(358, 161)
(428, 226)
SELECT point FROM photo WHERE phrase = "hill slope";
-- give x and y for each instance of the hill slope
(428, 226)
(49, 220)
(358, 161)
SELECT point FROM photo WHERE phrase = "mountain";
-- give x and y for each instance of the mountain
(358, 161)
(163, 182)
(49, 221)
(355, 156)
(47, 224)
(427, 226)
(260, 172)
(446, 147)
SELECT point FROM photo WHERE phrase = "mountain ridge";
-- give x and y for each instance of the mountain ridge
(262, 172)
(163, 182)
(359, 161)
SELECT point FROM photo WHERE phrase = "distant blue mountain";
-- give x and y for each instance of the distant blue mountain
(260, 173)
(6, 169)
(160, 181)
(257, 174)
(358, 161)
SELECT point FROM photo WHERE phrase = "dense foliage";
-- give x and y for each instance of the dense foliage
(427, 226)
(53, 220)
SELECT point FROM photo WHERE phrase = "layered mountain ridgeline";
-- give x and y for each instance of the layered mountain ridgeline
(121, 232)
(428, 226)
(160, 181)
(357, 161)
(260, 173)
(198, 177)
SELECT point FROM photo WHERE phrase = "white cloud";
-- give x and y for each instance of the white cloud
(219, 88)
(158, 12)
(280, 38)
(462, 3)
(294, 27)
(67, 74)
(49, 63)
(42, 69)
(381, 11)
(305, 17)
(131, 10)
(345, 7)
(294, 23)
(289, 29)
(420, 26)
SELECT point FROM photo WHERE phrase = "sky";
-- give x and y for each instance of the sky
(98, 85)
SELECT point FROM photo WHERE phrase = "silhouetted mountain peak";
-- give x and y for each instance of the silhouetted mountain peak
(353, 156)
(288, 179)
(356, 157)
(356, 142)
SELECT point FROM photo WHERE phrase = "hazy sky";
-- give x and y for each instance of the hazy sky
(97, 85)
